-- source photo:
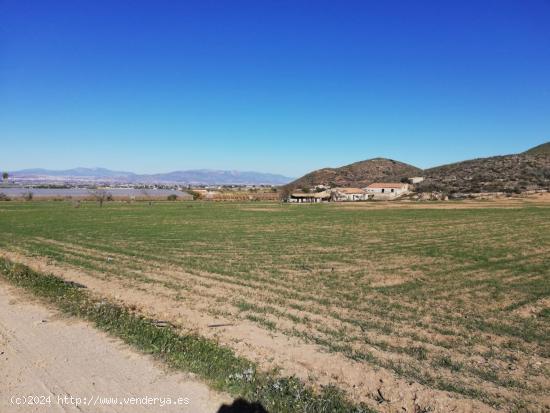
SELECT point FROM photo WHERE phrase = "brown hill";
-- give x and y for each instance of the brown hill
(510, 173)
(358, 174)
(543, 149)
(529, 170)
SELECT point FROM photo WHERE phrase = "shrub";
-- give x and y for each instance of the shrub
(195, 195)
(172, 197)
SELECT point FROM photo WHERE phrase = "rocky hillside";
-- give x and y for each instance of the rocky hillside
(511, 173)
(358, 174)
(517, 173)
(543, 149)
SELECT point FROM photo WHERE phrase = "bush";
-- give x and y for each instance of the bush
(4, 197)
(172, 197)
(196, 195)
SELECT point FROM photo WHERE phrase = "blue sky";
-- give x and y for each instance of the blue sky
(272, 86)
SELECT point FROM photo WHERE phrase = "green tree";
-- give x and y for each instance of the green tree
(5, 175)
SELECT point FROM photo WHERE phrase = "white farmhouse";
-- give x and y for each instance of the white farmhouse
(387, 190)
(349, 194)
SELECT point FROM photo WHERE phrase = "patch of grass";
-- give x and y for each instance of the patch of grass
(270, 325)
(545, 313)
(448, 363)
(418, 352)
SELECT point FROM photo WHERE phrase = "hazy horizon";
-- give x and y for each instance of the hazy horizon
(255, 171)
(140, 173)
(282, 88)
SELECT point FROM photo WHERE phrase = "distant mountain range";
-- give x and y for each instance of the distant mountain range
(529, 170)
(189, 177)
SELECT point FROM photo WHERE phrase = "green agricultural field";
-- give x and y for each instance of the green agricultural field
(454, 300)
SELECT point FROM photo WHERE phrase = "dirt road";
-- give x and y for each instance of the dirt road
(52, 359)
